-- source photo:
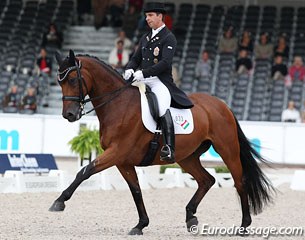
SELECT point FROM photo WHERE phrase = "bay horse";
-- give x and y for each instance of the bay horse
(125, 140)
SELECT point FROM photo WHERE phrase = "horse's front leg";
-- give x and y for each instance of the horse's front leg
(130, 175)
(102, 162)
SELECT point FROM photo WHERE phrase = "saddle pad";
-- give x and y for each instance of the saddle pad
(182, 118)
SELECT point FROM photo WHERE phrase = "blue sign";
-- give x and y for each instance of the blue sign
(255, 142)
(5, 136)
(28, 163)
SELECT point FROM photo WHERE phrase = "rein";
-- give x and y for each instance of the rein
(81, 98)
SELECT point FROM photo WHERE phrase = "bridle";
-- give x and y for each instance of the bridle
(81, 97)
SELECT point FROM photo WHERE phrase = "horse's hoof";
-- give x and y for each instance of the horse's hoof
(191, 223)
(135, 231)
(57, 206)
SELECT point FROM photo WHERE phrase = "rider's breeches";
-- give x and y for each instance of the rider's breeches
(162, 93)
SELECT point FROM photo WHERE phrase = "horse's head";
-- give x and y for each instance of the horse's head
(72, 79)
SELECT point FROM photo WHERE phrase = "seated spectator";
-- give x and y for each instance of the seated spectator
(11, 100)
(99, 9)
(127, 43)
(168, 21)
(29, 102)
(243, 64)
(291, 114)
(118, 57)
(44, 62)
(228, 43)
(303, 113)
(176, 75)
(52, 38)
(116, 8)
(264, 49)
(279, 70)
(138, 4)
(203, 66)
(246, 42)
(281, 48)
(297, 70)
(130, 21)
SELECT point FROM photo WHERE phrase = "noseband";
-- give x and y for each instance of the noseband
(81, 97)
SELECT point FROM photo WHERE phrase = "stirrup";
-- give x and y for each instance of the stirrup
(167, 154)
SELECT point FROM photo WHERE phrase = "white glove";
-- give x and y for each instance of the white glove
(128, 73)
(138, 76)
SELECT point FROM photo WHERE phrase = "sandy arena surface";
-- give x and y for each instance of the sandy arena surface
(111, 214)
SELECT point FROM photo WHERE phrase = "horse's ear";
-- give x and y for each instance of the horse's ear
(71, 57)
(58, 58)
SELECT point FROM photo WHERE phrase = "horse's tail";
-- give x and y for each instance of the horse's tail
(257, 185)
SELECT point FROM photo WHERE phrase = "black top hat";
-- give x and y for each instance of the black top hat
(154, 7)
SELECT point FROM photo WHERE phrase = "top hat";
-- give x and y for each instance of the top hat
(154, 7)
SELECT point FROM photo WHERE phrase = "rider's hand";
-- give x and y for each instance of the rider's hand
(138, 76)
(128, 73)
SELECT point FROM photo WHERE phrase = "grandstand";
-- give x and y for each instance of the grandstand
(198, 25)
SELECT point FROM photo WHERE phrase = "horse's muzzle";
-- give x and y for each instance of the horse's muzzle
(72, 115)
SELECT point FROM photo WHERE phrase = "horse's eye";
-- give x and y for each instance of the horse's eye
(72, 81)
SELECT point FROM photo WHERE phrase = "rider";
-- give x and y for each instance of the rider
(153, 59)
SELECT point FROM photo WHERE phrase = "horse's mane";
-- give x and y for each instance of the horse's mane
(107, 66)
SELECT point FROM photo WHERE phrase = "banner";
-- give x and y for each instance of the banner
(27, 163)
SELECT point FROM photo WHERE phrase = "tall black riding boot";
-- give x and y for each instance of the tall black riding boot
(168, 150)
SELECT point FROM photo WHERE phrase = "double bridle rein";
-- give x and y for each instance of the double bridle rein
(81, 97)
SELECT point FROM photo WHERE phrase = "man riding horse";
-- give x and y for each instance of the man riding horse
(153, 59)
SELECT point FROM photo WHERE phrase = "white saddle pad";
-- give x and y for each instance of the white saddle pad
(182, 118)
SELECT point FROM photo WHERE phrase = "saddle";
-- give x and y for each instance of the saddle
(182, 119)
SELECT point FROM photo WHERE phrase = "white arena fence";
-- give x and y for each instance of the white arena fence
(110, 179)
(281, 143)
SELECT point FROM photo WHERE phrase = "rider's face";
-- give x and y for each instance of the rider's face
(154, 20)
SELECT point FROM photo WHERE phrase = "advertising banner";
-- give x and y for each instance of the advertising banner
(27, 163)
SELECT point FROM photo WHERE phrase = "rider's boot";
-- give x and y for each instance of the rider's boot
(168, 150)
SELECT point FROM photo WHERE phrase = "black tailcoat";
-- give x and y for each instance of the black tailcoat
(154, 57)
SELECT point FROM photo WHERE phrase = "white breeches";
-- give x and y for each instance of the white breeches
(162, 93)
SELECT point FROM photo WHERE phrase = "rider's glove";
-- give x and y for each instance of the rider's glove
(128, 73)
(138, 76)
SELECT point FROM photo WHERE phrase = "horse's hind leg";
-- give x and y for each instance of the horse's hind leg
(130, 175)
(205, 181)
(231, 157)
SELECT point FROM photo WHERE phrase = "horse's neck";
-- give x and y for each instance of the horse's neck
(106, 90)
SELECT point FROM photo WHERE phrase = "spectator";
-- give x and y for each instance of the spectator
(127, 43)
(176, 75)
(168, 20)
(138, 4)
(11, 100)
(244, 63)
(130, 21)
(116, 12)
(52, 38)
(281, 48)
(83, 7)
(303, 113)
(228, 43)
(203, 66)
(118, 57)
(291, 114)
(246, 42)
(279, 69)
(297, 70)
(99, 8)
(29, 102)
(44, 62)
(264, 49)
